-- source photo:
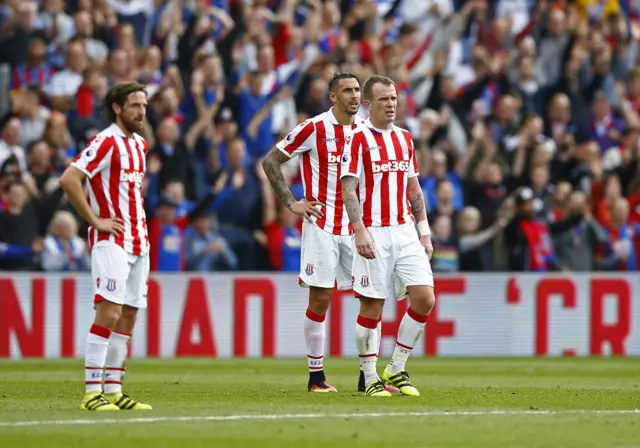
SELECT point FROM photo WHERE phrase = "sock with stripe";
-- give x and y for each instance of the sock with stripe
(95, 357)
(367, 344)
(116, 356)
(314, 336)
(379, 331)
(411, 327)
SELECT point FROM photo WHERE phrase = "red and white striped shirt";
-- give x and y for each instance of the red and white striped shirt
(383, 161)
(320, 141)
(115, 166)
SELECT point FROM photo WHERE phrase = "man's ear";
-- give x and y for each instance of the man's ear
(116, 109)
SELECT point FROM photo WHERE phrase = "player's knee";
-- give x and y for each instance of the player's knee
(371, 308)
(128, 317)
(108, 314)
(319, 300)
(422, 299)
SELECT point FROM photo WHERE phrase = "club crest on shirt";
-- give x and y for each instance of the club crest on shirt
(308, 269)
(111, 285)
(364, 281)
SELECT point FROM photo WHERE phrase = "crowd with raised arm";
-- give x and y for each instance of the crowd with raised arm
(524, 114)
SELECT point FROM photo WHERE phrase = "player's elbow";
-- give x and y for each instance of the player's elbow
(413, 189)
(70, 177)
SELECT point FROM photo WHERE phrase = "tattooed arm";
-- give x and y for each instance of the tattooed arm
(272, 165)
(351, 201)
(419, 211)
(416, 199)
(364, 243)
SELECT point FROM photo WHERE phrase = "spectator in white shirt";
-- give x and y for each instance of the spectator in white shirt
(64, 250)
(96, 50)
(58, 28)
(64, 85)
(9, 143)
(33, 116)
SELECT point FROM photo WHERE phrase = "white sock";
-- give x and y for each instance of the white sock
(314, 335)
(114, 367)
(379, 332)
(367, 343)
(411, 328)
(95, 356)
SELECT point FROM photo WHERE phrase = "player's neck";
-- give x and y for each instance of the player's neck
(381, 126)
(343, 118)
(124, 129)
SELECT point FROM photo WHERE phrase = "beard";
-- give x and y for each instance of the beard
(131, 125)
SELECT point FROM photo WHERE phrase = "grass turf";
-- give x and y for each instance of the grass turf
(52, 390)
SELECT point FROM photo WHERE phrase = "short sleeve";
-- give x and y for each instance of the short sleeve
(297, 141)
(351, 162)
(95, 157)
(413, 165)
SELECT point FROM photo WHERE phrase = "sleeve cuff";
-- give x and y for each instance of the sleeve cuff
(83, 169)
(284, 151)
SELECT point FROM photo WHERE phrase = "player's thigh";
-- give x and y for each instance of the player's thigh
(413, 267)
(109, 271)
(372, 278)
(137, 283)
(318, 257)
(344, 276)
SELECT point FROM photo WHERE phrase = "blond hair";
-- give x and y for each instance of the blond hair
(61, 217)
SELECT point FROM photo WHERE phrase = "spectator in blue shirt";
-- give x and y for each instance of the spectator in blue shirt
(206, 249)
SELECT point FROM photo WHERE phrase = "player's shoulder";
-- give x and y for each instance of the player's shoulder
(140, 140)
(406, 134)
(402, 131)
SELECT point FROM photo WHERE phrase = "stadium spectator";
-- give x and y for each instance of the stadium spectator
(63, 249)
(23, 223)
(206, 249)
(497, 95)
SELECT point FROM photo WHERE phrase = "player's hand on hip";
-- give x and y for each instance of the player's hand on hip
(364, 244)
(114, 226)
(428, 246)
(307, 209)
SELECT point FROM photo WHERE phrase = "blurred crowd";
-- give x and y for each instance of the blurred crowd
(524, 113)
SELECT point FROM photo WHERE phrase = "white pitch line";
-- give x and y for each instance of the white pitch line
(226, 418)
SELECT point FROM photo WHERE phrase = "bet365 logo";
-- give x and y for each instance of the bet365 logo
(390, 166)
(333, 158)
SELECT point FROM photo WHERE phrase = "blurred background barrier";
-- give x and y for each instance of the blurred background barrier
(260, 314)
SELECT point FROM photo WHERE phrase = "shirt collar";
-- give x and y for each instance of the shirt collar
(116, 130)
(332, 117)
(380, 131)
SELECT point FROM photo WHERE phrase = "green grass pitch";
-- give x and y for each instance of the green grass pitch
(565, 402)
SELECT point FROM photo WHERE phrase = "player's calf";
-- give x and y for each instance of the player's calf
(411, 327)
(314, 335)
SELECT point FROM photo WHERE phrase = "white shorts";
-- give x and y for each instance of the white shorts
(118, 276)
(399, 252)
(325, 259)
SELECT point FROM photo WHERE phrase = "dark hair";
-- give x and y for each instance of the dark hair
(118, 94)
(375, 79)
(11, 184)
(334, 83)
(408, 28)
